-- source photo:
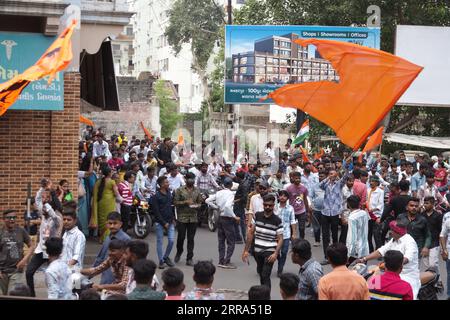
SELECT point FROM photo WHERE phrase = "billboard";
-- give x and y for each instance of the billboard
(431, 88)
(260, 59)
(18, 52)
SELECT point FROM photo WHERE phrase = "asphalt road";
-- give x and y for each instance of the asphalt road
(235, 283)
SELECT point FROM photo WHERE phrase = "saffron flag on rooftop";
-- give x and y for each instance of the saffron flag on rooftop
(302, 134)
(56, 58)
(371, 82)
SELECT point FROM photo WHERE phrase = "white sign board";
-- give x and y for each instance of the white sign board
(279, 114)
(428, 47)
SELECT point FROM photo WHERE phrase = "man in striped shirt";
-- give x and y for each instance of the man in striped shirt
(126, 192)
(268, 234)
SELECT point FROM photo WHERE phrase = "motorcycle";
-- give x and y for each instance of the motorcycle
(140, 218)
(208, 213)
(430, 284)
(78, 283)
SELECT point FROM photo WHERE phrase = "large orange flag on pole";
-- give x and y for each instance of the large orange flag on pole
(371, 82)
(57, 57)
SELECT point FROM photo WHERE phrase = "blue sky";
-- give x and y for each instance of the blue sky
(242, 38)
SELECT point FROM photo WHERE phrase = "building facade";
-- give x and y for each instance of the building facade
(123, 52)
(39, 142)
(279, 60)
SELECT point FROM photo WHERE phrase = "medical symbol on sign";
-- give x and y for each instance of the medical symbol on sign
(8, 46)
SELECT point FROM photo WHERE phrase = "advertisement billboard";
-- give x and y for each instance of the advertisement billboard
(431, 86)
(18, 52)
(260, 59)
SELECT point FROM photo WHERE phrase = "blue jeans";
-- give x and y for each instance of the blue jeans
(160, 238)
(241, 228)
(283, 254)
(448, 278)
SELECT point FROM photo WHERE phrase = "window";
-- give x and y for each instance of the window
(276, 43)
(285, 53)
(260, 61)
(163, 65)
(235, 61)
(261, 70)
(130, 62)
(276, 51)
(235, 70)
(129, 31)
(244, 60)
(285, 44)
(116, 47)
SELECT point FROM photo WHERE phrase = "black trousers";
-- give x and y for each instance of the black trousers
(226, 233)
(329, 223)
(35, 263)
(343, 235)
(375, 233)
(263, 267)
(183, 229)
(125, 215)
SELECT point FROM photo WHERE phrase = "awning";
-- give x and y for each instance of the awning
(421, 141)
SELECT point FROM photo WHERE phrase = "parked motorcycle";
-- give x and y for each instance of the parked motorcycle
(140, 218)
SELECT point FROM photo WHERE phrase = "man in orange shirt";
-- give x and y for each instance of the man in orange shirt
(341, 283)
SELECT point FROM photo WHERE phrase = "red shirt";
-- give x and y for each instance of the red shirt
(115, 163)
(389, 286)
(126, 193)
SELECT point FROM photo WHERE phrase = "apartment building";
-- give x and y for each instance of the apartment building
(279, 60)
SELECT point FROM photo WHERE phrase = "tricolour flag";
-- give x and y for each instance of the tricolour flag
(302, 134)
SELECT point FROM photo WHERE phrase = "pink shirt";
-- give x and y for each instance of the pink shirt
(360, 190)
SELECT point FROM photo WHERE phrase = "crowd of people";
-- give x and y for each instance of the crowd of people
(363, 209)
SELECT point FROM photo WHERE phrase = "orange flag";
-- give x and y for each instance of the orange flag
(86, 121)
(57, 57)
(375, 140)
(371, 82)
(304, 154)
(319, 155)
(180, 137)
(147, 133)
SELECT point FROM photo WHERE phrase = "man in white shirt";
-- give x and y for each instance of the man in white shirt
(149, 184)
(74, 241)
(358, 225)
(403, 242)
(375, 207)
(136, 168)
(224, 199)
(175, 179)
(141, 148)
(407, 174)
(256, 201)
(214, 169)
(101, 148)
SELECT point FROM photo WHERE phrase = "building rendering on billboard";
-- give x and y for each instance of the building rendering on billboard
(261, 59)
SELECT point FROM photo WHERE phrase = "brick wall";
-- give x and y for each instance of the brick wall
(36, 144)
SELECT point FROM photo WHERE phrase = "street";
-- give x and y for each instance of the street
(234, 283)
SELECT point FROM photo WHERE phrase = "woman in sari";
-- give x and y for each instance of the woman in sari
(103, 202)
(440, 175)
(86, 170)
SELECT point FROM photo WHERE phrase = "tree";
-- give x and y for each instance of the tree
(196, 23)
(353, 12)
(168, 113)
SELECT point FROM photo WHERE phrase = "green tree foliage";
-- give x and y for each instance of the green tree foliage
(197, 23)
(409, 120)
(168, 113)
